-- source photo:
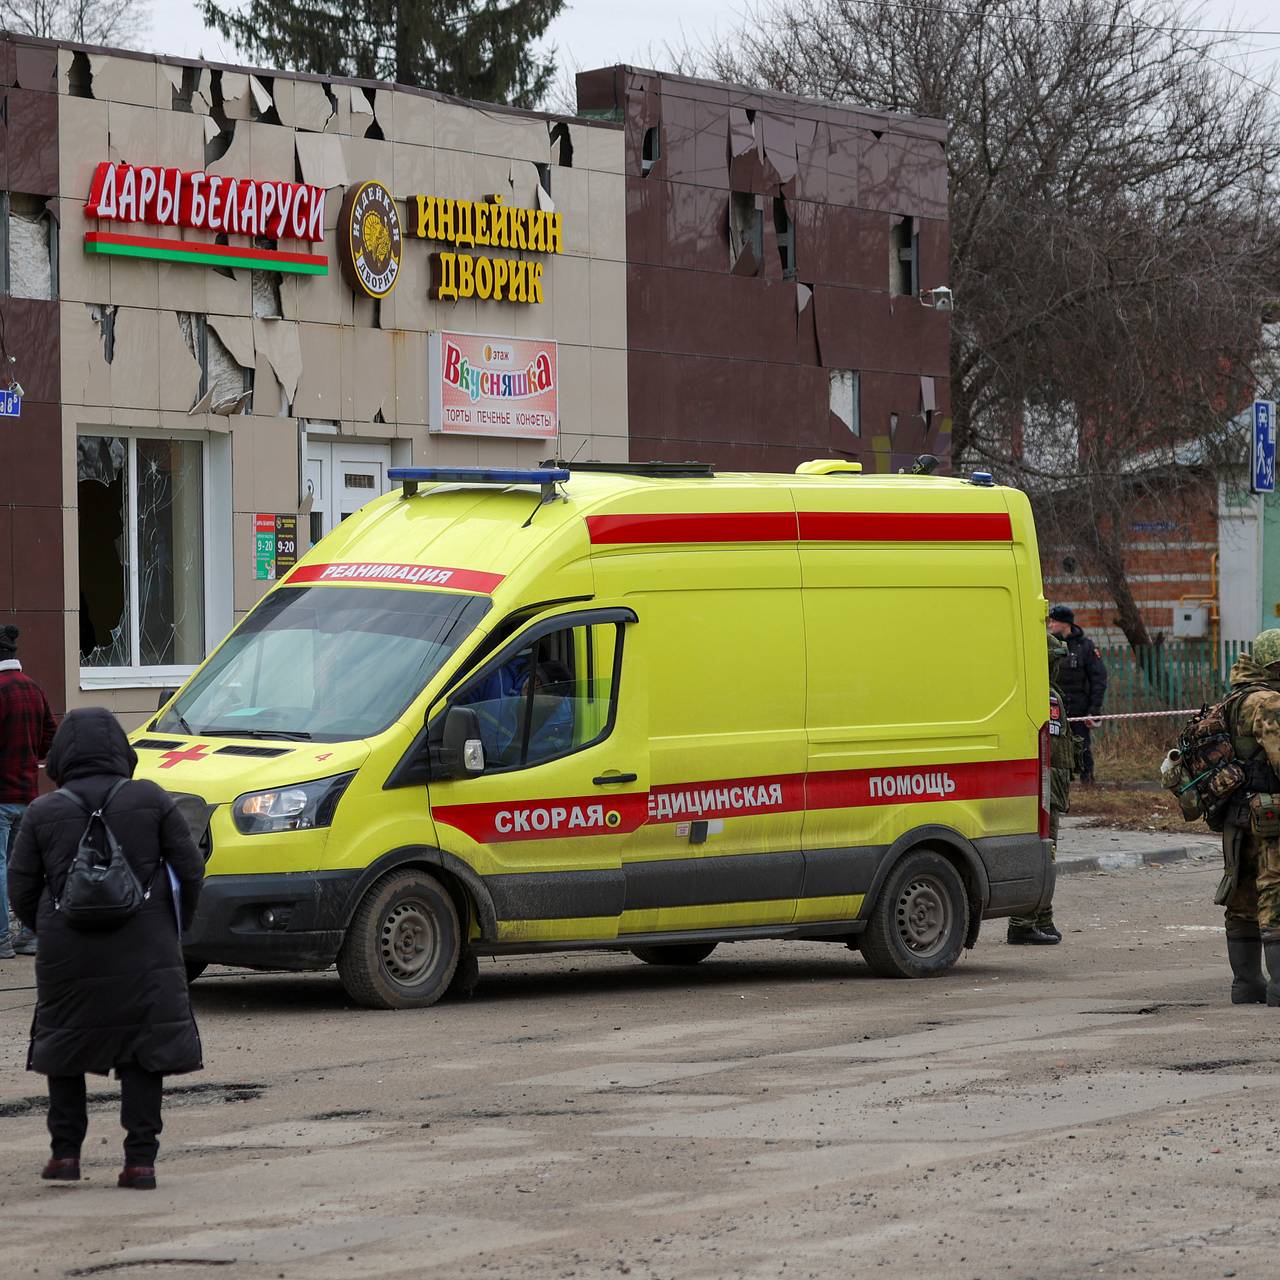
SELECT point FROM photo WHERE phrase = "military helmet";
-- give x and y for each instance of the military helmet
(1266, 648)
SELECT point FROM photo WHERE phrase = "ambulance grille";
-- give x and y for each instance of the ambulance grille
(156, 744)
(237, 750)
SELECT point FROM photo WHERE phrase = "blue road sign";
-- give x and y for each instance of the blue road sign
(10, 404)
(1264, 446)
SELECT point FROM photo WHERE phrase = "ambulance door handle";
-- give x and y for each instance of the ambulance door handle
(612, 779)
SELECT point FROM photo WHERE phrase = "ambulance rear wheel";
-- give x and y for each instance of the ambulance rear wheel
(676, 953)
(402, 945)
(918, 924)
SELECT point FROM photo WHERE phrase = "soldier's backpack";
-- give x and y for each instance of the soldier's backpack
(1202, 769)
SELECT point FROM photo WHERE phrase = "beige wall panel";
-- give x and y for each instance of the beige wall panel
(246, 589)
(608, 217)
(569, 190)
(271, 152)
(278, 341)
(463, 316)
(409, 354)
(123, 80)
(132, 133)
(455, 127)
(361, 108)
(82, 277)
(311, 108)
(594, 448)
(236, 333)
(522, 176)
(609, 392)
(326, 299)
(184, 286)
(243, 465)
(237, 100)
(568, 289)
(267, 399)
(511, 136)
(238, 158)
(455, 173)
(408, 307)
(179, 140)
(168, 82)
(179, 369)
(497, 453)
(275, 464)
(413, 173)
(490, 176)
(134, 281)
(322, 160)
(413, 119)
(86, 376)
(227, 295)
(135, 370)
(384, 112)
(283, 93)
(537, 320)
(368, 160)
(604, 149)
(82, 144)
(608, 303)
(575, 389)
(450, 451)
(320, 386)
(368, 371)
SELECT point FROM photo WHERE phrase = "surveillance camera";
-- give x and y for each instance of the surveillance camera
(939, 299)
(16, 387)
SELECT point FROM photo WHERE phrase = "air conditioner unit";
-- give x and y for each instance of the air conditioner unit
(1191, 621)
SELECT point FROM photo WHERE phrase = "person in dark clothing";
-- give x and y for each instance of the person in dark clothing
(26, 730)
(117, 998)
(1082, 677)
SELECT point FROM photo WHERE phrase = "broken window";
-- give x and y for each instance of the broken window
(746, 231)
(904, 257)
(846, 398)
(226, 386)
(30, 246)
(650, 149)
(561, 145)
(140, 509)
(786, 233)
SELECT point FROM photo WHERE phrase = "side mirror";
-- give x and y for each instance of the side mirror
(165, 696)
(458, 752)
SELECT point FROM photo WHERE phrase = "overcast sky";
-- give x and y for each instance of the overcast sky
(594, 33)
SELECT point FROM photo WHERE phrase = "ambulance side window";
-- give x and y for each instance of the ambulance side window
(551, 698)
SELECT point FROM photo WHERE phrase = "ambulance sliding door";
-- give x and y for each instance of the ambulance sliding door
(720, 636)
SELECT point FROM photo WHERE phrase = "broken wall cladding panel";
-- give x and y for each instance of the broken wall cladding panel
(322, 160)
(33, 66)
(312, 108)
(693, 233)
(237, 99)
(84, 376)
(135, 364)
(279, 341)
(31, 142)
(778, 141)
(124, 79)
(229, 150)
(903, 175)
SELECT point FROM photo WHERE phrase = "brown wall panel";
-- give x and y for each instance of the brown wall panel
(32, 143)
(42, 651)
(31, 456)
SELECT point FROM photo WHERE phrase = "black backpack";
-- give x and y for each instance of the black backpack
(101, 891)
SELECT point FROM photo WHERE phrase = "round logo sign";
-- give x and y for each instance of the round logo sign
(369, 240)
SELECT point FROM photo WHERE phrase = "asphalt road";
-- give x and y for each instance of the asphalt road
(1094, 1109)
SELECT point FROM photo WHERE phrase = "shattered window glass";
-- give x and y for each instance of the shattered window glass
(170, 553)
(141, 535)
(103, 501)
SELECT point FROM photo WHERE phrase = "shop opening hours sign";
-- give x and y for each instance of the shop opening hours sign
(489, 386)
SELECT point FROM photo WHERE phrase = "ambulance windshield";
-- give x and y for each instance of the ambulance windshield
(324, 663)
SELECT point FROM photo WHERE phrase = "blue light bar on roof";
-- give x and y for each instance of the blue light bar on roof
(411, 477)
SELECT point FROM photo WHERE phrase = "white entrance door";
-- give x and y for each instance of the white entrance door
(342, 476)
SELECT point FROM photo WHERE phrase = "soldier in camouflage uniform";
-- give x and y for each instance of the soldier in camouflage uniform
(1039, 930)
(1250, 888)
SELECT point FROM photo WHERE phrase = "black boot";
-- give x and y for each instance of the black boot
(1272, 947)
(1248, 982)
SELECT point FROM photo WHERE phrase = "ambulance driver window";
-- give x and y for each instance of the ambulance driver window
(553, 697)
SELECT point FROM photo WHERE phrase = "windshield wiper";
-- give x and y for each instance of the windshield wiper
(289, 735)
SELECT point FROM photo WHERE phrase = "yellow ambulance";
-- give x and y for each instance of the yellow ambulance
(637, 706)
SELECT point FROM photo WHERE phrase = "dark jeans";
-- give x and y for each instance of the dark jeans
(140, 1094)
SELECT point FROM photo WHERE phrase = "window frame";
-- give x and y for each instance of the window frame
(136, 675)
(619, 617)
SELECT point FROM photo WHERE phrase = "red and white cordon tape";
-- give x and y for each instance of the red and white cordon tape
(1133, 715)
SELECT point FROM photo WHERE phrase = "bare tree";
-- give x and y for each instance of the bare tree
(102, 22)
(1113, 243)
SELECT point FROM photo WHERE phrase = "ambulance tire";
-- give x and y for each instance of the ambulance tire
(402, 945)
(195, 968)
(919, 921)
(676, 953)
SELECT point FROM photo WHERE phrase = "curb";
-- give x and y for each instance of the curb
(1127, 861)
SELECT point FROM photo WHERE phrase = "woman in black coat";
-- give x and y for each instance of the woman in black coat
(118, 998)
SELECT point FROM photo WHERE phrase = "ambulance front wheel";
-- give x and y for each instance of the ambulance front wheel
(675, 953)
(402, 945)
(918, 923)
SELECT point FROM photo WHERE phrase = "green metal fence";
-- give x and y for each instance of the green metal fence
(1180, 674)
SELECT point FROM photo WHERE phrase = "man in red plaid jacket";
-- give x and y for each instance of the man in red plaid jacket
(26, 730)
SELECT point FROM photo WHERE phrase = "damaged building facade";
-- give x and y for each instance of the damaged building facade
(233, 300)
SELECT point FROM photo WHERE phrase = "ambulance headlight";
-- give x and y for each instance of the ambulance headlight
(294, 808)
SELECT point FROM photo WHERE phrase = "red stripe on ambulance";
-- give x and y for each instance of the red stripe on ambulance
(411, 575)
(740, 798)
(806, 526)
